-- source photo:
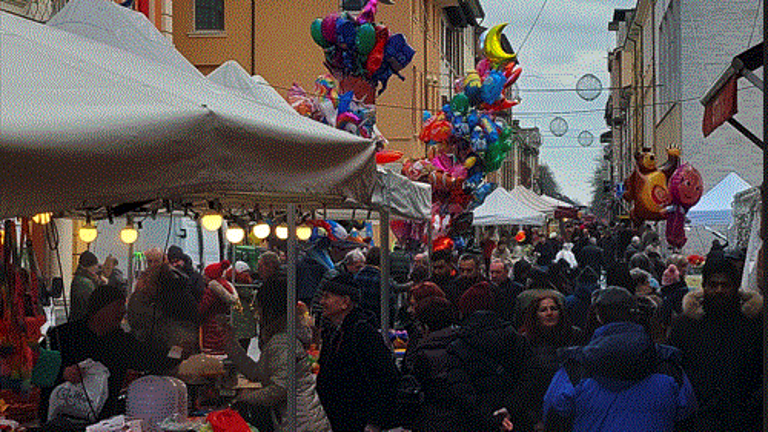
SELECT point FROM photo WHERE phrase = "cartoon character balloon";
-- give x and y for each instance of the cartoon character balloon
(685, 189)
(646, 187)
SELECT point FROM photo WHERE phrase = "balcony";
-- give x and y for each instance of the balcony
(37, 10)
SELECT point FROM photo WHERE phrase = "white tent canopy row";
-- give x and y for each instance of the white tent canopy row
(85, 124)
(715, 207)
(534, 201)
(502, 208)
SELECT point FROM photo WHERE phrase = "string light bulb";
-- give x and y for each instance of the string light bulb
(211, 220)
(88, 232)
(281, 231)
(235, 234)
(303, 232)
(261, 230)
(42, 218)
(129, 234)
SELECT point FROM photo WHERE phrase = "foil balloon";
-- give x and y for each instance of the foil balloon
(492, 46)
(317, 33)
(685, 189)
(492, 87)
(328, 27)
(376, 56)
(520, 236)
(460, 104)
(388, 156)
(366, 39)
(646, 187)
(442, 243)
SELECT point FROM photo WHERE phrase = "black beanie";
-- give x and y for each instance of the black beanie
(175, 253)
(87, 259)
(103, 296)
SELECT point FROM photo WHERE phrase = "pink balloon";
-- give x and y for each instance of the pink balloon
(483, 67)
(328, 27)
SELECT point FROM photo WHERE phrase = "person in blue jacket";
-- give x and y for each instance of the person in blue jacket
(621, 380)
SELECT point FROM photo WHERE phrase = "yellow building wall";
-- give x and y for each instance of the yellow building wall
(208, 51)
(284, 53)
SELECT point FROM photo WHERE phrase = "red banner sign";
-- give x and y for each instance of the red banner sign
(721, 107)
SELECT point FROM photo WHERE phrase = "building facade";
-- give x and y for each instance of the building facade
(272, 39)
(668, 54)
(522, 163)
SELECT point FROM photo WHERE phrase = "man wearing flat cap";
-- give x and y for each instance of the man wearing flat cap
(357, 371)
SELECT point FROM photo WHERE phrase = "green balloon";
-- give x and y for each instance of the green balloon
(317, 33)
(460, 104)
(366, 39)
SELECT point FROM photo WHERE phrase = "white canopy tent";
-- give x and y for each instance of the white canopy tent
(501, 208)
(715, 207)
(533, 200)
(98, 109)
(101, 125)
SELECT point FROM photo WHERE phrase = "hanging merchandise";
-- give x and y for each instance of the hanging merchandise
(21, 316)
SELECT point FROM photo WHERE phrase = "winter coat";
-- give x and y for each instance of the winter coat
(368, 280)
(591, 256)
(620, 381)
(357, 377)
(672, 301)
(506, 294)
(722, 354)
(430, 364)
(272, 372)
(218, 297)
(489, 370)
(82, 286)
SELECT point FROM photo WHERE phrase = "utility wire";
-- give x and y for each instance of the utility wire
(535, 21)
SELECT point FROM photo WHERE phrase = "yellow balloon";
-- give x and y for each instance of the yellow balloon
(472, 80)
(493, 48)
(470, 162)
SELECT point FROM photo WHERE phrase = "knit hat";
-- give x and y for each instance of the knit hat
(103, 296)
(88, 259)
(671, 275)
(216, 270)
(241, 267)
(342, 285)
(477, 297)
(425, 290)
(615, 297)
(175, 253)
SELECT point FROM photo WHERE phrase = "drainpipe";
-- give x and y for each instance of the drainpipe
(253, 37)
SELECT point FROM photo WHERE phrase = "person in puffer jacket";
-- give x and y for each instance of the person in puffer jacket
(218, 298)
(621, 380)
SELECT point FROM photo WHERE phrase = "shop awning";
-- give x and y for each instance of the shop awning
(721, 101)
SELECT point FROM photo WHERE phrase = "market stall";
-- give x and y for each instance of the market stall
(89, 126)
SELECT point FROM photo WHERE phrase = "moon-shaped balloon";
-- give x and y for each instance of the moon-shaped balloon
(493, 48)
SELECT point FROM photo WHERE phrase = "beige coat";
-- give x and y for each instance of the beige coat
(272, 372)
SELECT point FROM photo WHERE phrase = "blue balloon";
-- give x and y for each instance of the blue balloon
(426, 115)
(492, 87)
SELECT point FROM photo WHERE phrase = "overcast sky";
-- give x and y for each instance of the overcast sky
(571, 39)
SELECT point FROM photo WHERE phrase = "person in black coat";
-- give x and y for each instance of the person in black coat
(358, 376)
(506, 290)
(720, 335)
(490, 366)
(591, 255)
(430, 363)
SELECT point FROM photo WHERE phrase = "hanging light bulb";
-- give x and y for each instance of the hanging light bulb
(261, 230)
(235, 234)
(303, 232)
(42, 218)
(129, 234)
(211, 220)
(88, 232)
(281, 231)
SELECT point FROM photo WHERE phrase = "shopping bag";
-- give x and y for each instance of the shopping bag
(84, 400)
(227, 420)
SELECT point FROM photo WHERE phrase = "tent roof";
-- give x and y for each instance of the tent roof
(533, 200)
(502, 208)
(548, 199)
(715, 206)
(102, 125)
(403, 197)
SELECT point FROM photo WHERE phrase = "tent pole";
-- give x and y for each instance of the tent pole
(291, 317)
(384, 239)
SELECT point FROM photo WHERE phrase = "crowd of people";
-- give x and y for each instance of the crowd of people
(592, 330)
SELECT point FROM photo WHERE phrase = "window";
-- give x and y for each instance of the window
(209, 15)
(669, 54)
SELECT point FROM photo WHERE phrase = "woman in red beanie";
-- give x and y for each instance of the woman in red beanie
(218, 298)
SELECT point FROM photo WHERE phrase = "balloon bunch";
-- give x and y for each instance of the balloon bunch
(467, 139)
(341, 111)
(357, 46)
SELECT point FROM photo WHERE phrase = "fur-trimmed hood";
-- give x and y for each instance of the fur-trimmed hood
(751, 304)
